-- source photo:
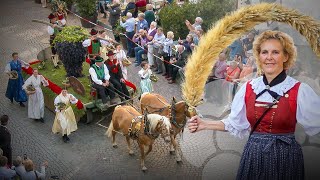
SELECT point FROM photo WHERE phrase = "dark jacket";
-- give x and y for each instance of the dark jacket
(131, 7)
(113, 75)
(5, 143)
(115, 12)
(149, 17)
(181, 58)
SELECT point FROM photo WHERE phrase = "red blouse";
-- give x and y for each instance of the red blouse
(281, 118)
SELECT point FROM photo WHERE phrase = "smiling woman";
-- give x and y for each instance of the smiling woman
(276, 52)
(269, 107)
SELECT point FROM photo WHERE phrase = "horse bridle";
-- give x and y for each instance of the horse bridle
(173, 117)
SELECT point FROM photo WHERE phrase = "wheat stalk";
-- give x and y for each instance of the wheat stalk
(230, 28)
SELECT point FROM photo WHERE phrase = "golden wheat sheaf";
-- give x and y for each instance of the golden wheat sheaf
(231, 27)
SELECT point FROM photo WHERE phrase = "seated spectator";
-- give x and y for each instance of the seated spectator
(219, 69)
(141, 39)
(18, 166)
(233, 71)
(149, 14)
(187, 43)
(5, 173)
(31, 173)
(247, 71)
(180, 60)
(131, 7)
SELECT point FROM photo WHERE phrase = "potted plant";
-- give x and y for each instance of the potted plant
(69, 4)
(88, 10)
(117, 31)
(68, 44)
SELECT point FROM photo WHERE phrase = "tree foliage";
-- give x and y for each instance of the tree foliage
(87, 8)
(173, 16)
(69, 47)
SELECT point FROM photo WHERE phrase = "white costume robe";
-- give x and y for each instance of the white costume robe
(35, 100)
(121, 55)
(65, 121)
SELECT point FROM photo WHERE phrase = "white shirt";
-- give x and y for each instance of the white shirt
(94, 76)
(87, 42)
(308, 103)
(50, 30)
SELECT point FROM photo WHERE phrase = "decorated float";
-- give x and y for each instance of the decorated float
(72, 73)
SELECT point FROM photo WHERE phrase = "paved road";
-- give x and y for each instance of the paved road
(89, 155)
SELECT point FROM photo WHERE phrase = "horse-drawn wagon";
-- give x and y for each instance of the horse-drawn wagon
(89, 102)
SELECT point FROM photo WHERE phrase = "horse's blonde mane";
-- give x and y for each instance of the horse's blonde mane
(155, 118)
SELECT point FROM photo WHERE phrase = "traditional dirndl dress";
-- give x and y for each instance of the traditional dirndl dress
(145, 83)
(272, 151)
(14, 88)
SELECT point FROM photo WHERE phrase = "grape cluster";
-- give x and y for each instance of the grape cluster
(72, 56)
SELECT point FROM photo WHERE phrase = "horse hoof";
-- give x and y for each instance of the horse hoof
(179, 160)
(131, 153)
(144, 169)
(172, 152)
(114, 145)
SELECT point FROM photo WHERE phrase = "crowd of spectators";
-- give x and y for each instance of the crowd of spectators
(18, 168)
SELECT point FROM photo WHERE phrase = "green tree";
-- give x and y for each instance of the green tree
(172, 17)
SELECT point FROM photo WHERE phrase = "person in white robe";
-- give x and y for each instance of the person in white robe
(65, 121)
(35, 98)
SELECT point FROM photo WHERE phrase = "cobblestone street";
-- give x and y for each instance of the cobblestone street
(90, 154)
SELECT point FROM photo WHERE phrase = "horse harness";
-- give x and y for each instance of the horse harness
(135, 127)
(159, 110)
(172, 114)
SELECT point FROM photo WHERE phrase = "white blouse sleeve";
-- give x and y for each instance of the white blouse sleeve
(86, 43)
(50, 30)
(56, 101)
(7, 69)
(26, 83)
(75, 99)
(308, 114)
(104, 43)
(237, 123)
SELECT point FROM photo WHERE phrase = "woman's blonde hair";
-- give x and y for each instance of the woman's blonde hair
(170, 35)
(28, 165)
(286, 42)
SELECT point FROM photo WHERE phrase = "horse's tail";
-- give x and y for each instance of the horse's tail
(110, 129)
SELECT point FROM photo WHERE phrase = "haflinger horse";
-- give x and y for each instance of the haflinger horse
(127, 121)
(176, 111)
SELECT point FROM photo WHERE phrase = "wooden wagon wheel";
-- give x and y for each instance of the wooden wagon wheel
(230, 28)
(77, 86)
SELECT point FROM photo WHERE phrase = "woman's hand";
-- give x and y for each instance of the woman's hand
(196, 124)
